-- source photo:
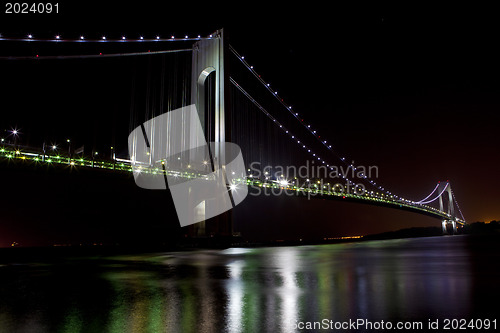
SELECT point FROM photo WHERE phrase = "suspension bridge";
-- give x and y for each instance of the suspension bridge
(234, 104)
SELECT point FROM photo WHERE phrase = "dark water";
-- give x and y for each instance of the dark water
(255, 290)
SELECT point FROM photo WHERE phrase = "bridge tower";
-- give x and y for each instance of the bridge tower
(208, 94)
(451, 211)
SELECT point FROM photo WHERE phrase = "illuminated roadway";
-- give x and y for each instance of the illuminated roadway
(316, 188)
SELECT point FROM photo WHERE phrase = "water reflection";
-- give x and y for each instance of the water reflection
(240, 290)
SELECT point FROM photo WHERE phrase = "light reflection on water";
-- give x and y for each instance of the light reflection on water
(243, 290)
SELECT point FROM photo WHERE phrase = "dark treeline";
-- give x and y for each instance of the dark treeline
(492, 227)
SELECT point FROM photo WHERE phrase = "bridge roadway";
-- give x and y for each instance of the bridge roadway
(310, 189)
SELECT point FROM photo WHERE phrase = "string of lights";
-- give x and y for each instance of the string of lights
(296, 115)
(104, 39)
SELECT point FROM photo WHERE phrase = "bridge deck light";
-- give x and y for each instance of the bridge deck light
(283, 182)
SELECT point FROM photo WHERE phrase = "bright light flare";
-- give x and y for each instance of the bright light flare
(283, 182)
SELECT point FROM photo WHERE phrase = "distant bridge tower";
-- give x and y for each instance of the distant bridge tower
(451, 211)
(208, 94)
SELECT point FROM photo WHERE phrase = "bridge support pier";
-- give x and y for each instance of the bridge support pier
(449, 227)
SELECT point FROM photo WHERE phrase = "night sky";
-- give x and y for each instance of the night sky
(414, 91)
